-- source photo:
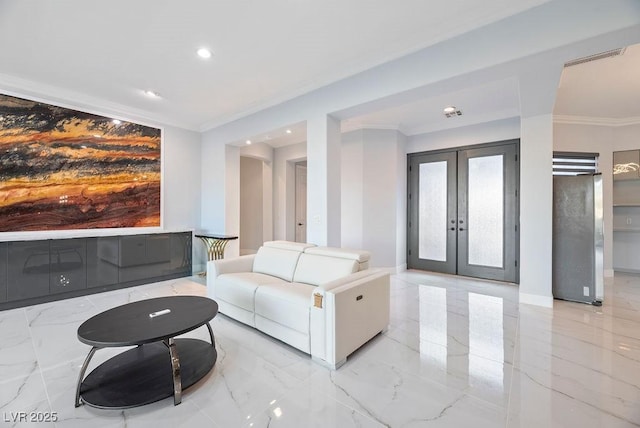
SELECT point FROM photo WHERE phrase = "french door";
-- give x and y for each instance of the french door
(463, 211)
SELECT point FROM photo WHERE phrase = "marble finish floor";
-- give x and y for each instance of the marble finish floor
(459, 352)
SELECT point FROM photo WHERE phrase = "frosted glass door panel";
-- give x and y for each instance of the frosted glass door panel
(433, 211)
(486, 211)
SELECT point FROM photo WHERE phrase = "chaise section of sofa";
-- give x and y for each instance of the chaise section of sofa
(324, 301)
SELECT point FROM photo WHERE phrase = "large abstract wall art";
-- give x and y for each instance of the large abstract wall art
(63, 169)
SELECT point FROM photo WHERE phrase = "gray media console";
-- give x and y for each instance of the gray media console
(34, 272)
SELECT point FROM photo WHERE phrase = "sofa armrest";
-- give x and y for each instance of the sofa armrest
(345, 315)
(347, 279)
(216, 268)
(236, 264)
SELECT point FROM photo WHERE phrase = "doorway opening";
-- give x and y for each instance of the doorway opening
(301, 201)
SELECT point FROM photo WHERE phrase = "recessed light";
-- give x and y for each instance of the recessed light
(116, 121)
(288, 131)
(449, 109)
(248, 142)
(204, 53)
(151, 94)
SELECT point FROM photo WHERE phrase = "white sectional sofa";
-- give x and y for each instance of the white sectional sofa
(324, 301)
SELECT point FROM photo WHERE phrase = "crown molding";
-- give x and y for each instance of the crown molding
(595, 121)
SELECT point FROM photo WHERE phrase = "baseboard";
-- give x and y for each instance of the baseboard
(536, 300)
(394, 270)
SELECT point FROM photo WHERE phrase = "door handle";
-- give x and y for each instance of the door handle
(461, 229)
(453, 228)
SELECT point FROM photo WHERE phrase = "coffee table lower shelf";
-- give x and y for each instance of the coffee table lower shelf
(143, 375)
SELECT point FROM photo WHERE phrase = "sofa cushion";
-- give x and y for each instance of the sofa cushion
(239, 288)
(315, 269)
(276, 262)
(285, 304)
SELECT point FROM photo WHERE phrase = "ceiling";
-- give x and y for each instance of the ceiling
(606, 90)
(264, 52)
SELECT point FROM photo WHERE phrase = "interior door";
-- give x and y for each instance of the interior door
(463, 212)
(301, 203)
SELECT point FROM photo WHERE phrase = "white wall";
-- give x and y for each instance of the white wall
(265, 153)
(374, 195)
(498, 130)
(626, 137)
(181, 179)
(352, 211)
(251, 205)
(596, 139)
(181, 182)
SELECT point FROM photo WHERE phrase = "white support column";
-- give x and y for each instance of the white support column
(323, 180)
(220, 190)
(538, 89)
(536, 210)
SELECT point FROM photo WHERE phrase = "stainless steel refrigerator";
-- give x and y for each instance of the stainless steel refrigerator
(578, 238)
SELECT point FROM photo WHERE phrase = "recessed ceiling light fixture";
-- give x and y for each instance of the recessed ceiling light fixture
(248, 142)
(452, 111)
(288, 131)
(204, 53)
(151, 94)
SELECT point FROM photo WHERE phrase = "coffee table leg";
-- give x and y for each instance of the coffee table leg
(211, 335)
(175, 369)
(81, 375)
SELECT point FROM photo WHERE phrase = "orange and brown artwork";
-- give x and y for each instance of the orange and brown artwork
(66, 169)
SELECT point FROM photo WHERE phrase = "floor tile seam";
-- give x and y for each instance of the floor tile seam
(35, 350)
(582, 401)
(463, 391)
(600, 347)
(363, 409)
(503, 361)
(516, 344)
(399, 368)
(201, 410)
(522, 366)
(365, 414)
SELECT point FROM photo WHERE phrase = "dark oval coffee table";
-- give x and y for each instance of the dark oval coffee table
(147, 373)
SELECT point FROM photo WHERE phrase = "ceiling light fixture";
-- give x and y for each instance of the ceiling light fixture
(452, 111)
(288, 131)
(248, 142)
(204, 53)
(151, 94)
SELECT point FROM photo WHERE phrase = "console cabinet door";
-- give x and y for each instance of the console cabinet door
(3, 271)
(28, 270)
(68, 269)
(102, 261)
